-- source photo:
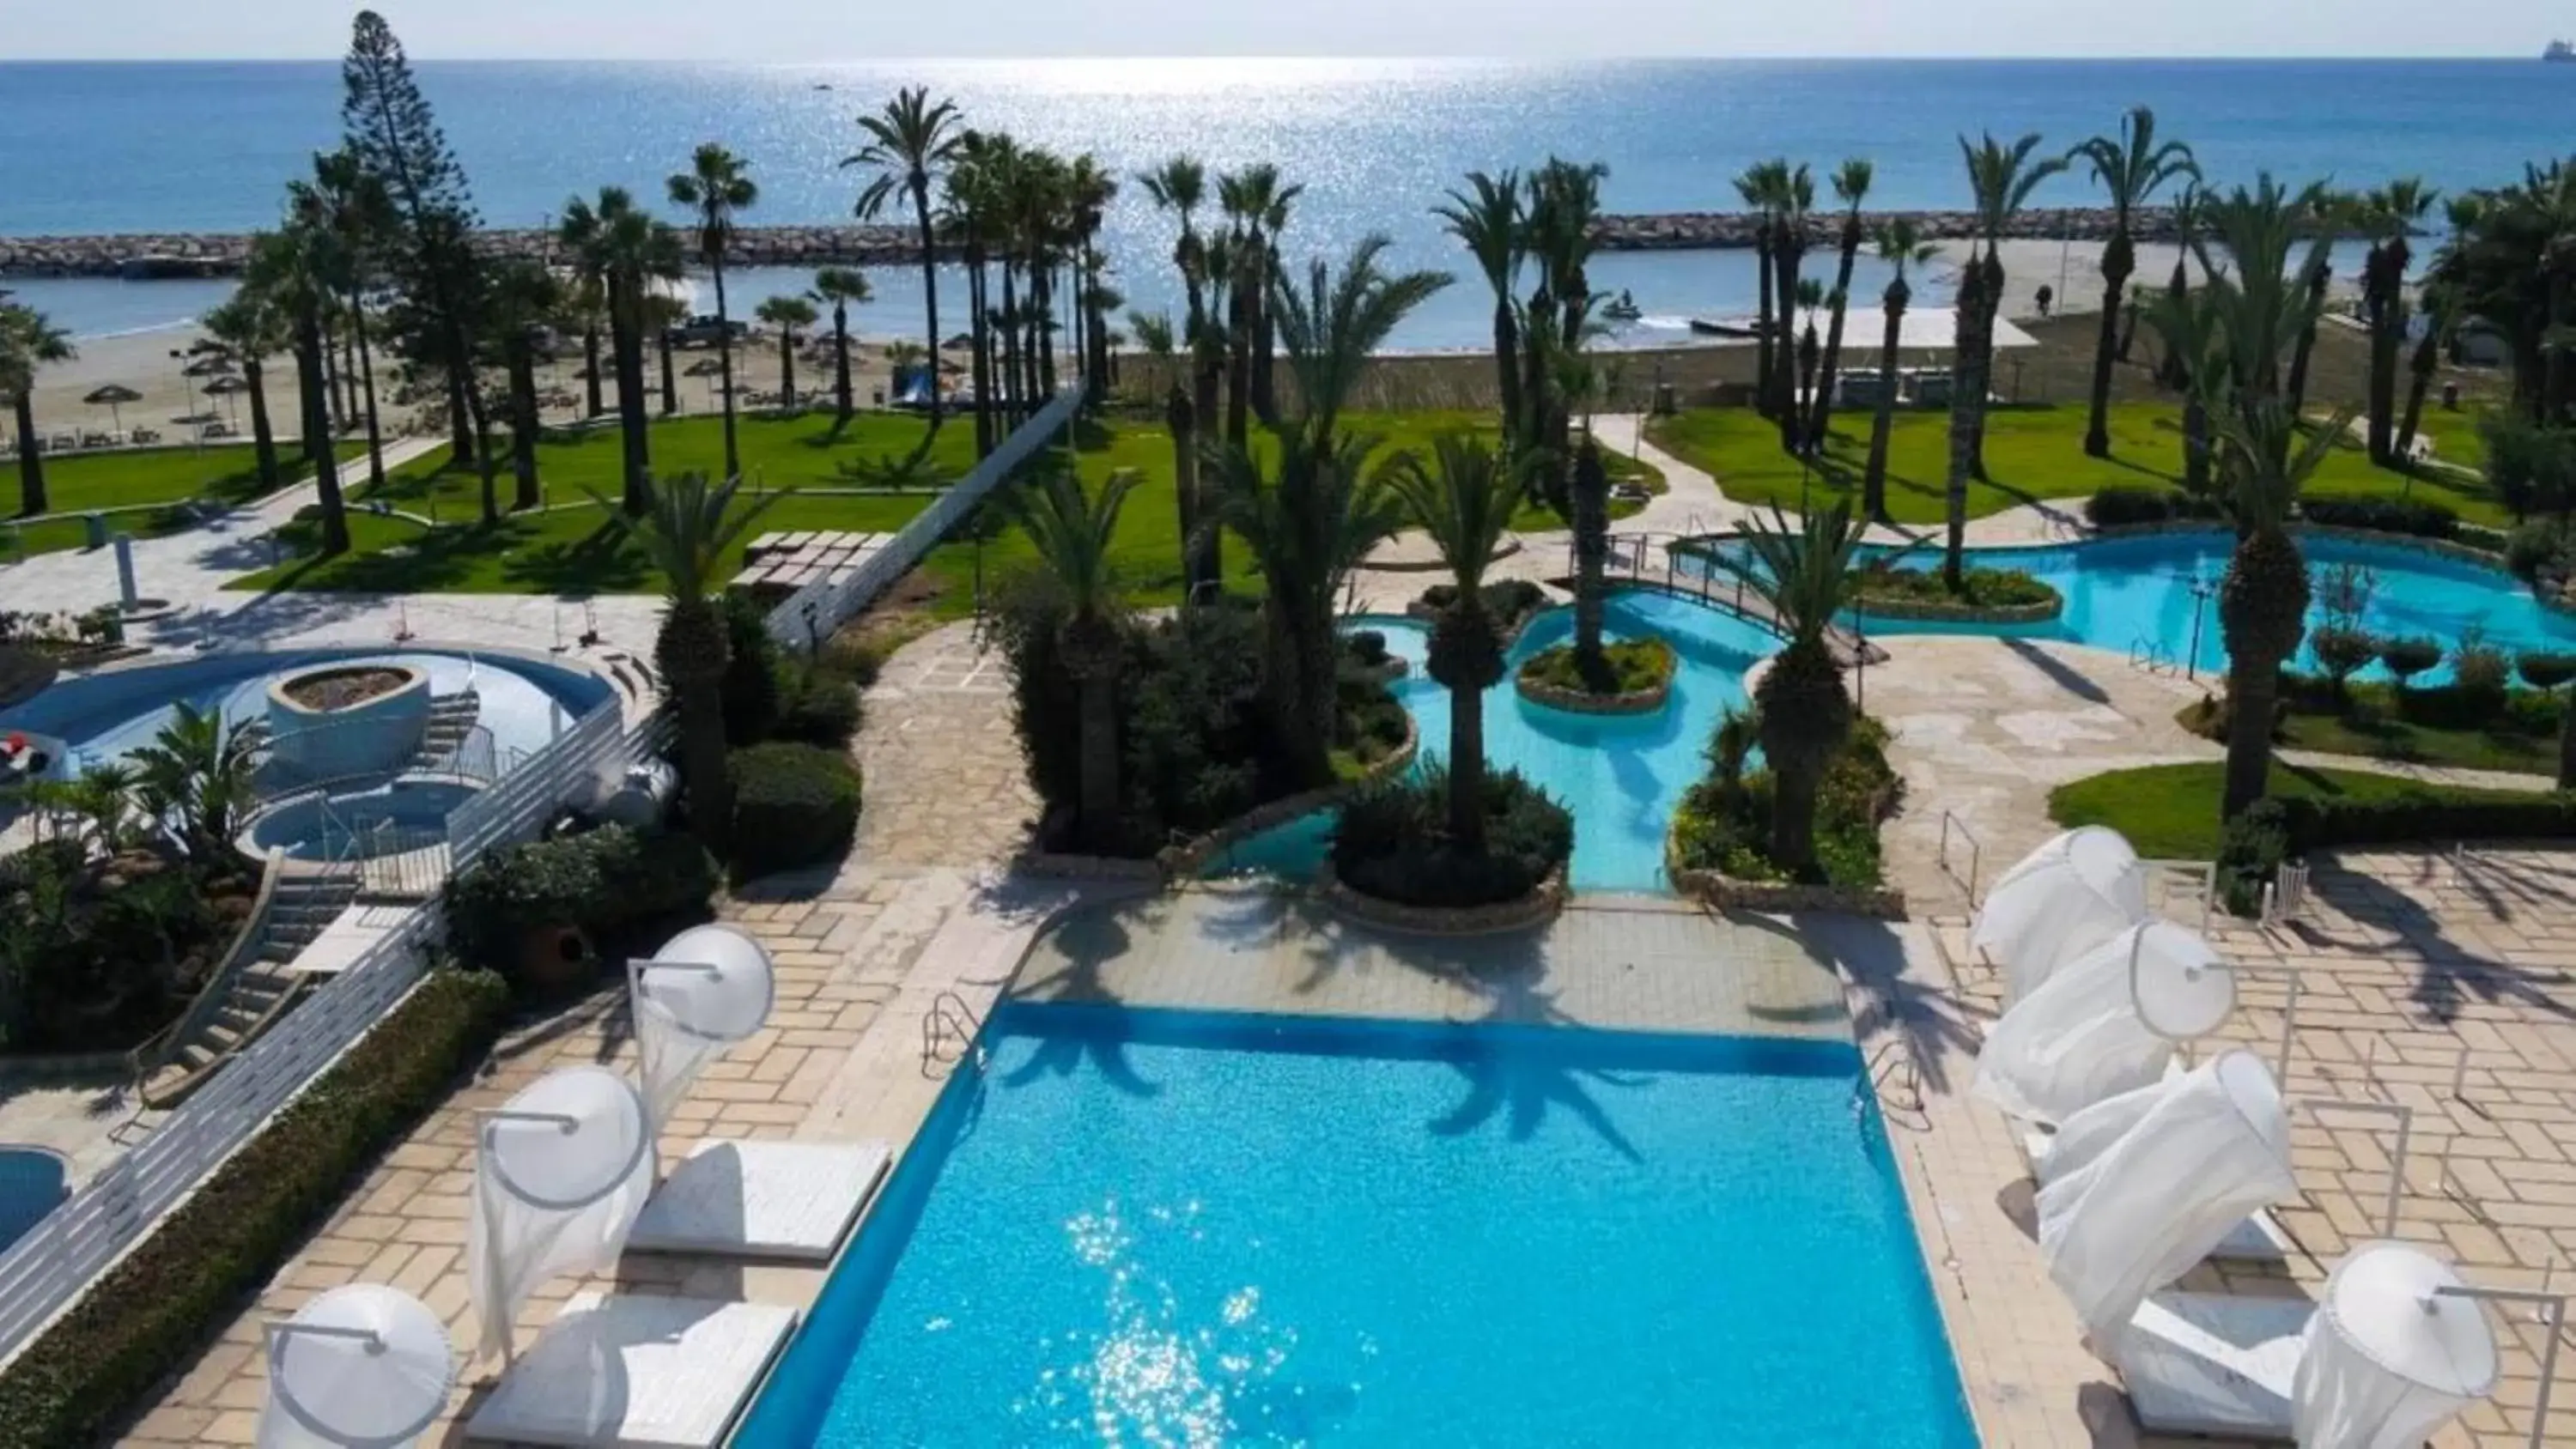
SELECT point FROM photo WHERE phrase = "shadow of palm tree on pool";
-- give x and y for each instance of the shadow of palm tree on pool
(1085, 941)
(1520, 1087)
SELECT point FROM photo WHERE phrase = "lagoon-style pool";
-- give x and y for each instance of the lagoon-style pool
(1147, 1227)
(1622, 775)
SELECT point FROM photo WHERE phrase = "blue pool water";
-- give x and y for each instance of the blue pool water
(1623, 776)
(2129, 594)
(33, 1183)
(1141, 1227)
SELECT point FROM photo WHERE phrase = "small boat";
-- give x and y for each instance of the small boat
(1733, 327)
(1625, 309)
(822, 85)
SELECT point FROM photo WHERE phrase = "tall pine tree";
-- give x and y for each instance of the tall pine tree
(395, 138)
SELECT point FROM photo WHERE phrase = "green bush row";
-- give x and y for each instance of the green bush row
(2130, 504)
(2414, 517)
(1633, 666)
(1984, 588)
(793, 805)
(600, 880)
(2273, 830)
(148, 1316)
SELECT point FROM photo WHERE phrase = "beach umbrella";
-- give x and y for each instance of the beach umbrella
(708, 988)
(227, 388)
(560, 1173)
(213, 364)
(362, 1364)
(704, 367)
(114, 397)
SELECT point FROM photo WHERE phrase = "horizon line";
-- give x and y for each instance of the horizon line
(1782, 57)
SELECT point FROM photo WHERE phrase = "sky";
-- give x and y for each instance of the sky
(821, 30)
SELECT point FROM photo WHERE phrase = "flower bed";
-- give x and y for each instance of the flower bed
(1641, 672)
(1728, 893)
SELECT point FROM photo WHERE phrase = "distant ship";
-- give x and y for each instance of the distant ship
(2559, 50)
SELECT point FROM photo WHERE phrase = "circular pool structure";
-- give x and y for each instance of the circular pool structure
(356, 824)
(342, 720)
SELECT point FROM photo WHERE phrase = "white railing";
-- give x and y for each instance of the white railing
(43, 1272)
(823, 605)
(576, 763)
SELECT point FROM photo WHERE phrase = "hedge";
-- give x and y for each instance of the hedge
(2414, 517)
(793, 805)
(2272, 830)
(149, 1315)
(2131, 504)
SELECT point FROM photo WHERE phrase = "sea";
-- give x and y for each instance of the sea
(146, 147)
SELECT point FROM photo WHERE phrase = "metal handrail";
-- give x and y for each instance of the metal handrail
(1976, 852)
(948, 1010)
(156, 1049)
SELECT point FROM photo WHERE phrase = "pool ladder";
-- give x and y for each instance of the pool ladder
(1896, 1075)
(950, 1017)
(2148, 654)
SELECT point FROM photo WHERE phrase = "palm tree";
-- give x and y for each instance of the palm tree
(1851, 187)
(628, 250)
(791, 316)
(1074, 536)
(907, 141)
(1308, 515)
(525, 298)
(2186, 227)
(247, 329)
(716, 188)
(1900, 244)
(2194, 352)
(658, 316)
(1797, 198)
(297, 268)
(1088, 192)
(2392, 212)
(1811, 300)
(1465, 505)
(2002, 179)
(29, 341)
(1486, 218)
(200, 770)
(686, 532)
(1558, 221)
(2130, 166)
(1761, 186)
(585, 306)
(2443, 292)
(838, 287)
(2263, 601)
(1589, 490)
(1804, 572)
(353, 205)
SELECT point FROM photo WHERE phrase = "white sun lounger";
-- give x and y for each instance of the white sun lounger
(636, 1372)
(2212, 1364)
(2258, 1239)
(790, 1200)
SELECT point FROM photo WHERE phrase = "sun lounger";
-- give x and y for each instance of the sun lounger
(792, 1200)
(636, 1372)
(2213, 1364)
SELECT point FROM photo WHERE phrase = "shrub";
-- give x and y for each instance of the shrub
(817, 705)
(2344, 652)
(1367, 646)
(2480, 670)
(2407, 658)
(750, 688)
(2128, 504)
(152, 1312)
(2543, 670)
(793, 805)
(98, 954)
(1634, 666)
(1393, 842)
(2414, 517)
(1511, 602)
(600, 881)
(1724, 821)
(2535, 547)
(2249, 853)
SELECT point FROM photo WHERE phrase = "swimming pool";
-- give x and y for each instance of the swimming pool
(1148, 1227)
(311, 826)
(1622, 775)
(2159, 591)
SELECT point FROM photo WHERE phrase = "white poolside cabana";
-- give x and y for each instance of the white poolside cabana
(361, 1366)
(2076, 891)
(560, 1173)
(2106, 1023)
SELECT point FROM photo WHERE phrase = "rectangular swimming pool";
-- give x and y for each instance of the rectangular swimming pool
(1160, 1228)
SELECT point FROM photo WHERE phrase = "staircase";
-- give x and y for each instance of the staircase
(250, 991)
(451, 722)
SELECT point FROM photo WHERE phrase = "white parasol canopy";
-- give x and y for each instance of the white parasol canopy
(706, 989)
(2144, 1185)
(2063, 899)
(2105, 1023)
(2389, 1357)
(361, 1365)
(559, 1175)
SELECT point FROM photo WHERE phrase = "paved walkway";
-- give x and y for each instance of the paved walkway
(945, 781)
(190, 570)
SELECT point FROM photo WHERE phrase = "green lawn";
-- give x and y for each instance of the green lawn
(2032, 454)
(576, 550)
(2518, 741)
(141, 478)
(2171, 811)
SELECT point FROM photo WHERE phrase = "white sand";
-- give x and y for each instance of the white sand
(2073, 270)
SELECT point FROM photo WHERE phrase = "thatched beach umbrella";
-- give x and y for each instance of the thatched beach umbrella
(114, 397)
(706, 367)
(213, 364)
(227, 388)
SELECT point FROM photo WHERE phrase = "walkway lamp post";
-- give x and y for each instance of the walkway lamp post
(2201, 589)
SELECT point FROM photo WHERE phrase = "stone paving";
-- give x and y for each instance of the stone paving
(945, 783)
